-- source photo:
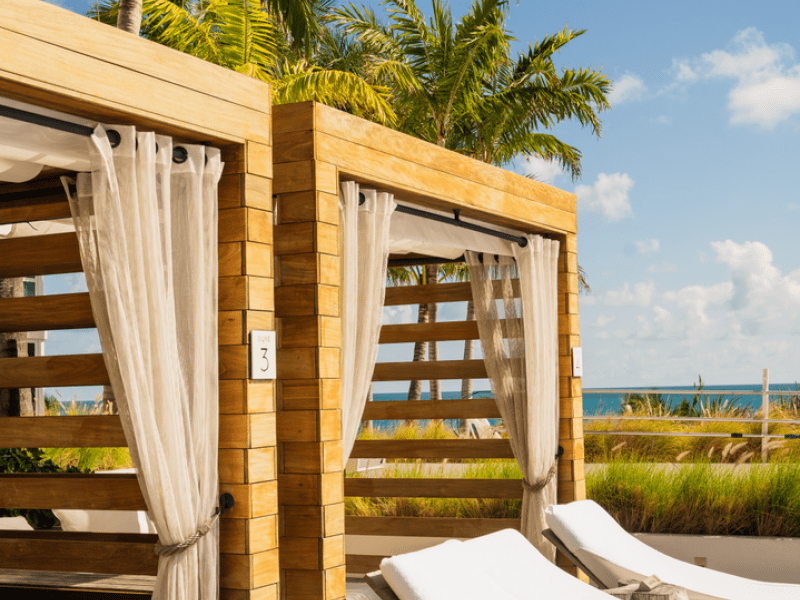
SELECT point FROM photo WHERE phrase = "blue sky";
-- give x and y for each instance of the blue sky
(688, 203)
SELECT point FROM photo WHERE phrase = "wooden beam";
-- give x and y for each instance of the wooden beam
(392, 487)
(433, 449)
(425, 294)
(427, 526)
(117, 553)
(429, 332)
(440, 369)
(41, 211)
(70, 490)
(44, 313)
(88, 584)
(41, 255)
(62, 432)
(475, 408)
(363, 563)
(53, 371)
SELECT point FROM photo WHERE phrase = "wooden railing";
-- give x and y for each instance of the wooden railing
(439, 450)
(130, 554)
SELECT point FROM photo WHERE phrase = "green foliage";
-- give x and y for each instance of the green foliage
(457, 85)
(30, 460)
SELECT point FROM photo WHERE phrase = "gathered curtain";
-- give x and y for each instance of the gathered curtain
(146, 218)
(517, 315)
(364, 258)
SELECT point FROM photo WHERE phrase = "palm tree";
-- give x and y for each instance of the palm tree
(13, 402)
(275, 41)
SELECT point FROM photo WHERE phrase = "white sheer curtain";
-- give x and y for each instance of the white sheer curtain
(365, 252)
(523, 367)
(147, 226)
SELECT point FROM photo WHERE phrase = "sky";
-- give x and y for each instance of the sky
(688, 203)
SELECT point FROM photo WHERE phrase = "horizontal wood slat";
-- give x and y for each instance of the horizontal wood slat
(434, 449)
(87, 584)
(440, 292)
(53, 371)
(475, 408)
(128, 554)
(68, 490)
(429, 332)
(424, 370)
(427, 526)
(41, 255)
(422, 294)
(363, 563)
(390, 487)
(62, 432)
(44, 210)
(44, 313)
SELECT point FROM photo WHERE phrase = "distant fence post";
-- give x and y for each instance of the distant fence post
(765, 415)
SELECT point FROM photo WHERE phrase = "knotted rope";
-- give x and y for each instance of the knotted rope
(540, 486)
(189, 542)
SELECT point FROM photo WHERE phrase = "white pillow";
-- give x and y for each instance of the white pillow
(17, 523)
(106, 521)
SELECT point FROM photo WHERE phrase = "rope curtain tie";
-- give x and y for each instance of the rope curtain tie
(225, 502)
(538, 487)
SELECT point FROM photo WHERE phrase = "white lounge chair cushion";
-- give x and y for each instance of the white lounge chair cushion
(498, 566)
(106, 521)
(516, 566)
(438, 573)
(16, 523)
(612, 554)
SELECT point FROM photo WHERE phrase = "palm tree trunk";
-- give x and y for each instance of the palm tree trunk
(129, 17)
(415, 387)
(14, 402)
(469, 353)
(432, 277)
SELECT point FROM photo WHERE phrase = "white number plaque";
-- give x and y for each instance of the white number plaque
(262, 355)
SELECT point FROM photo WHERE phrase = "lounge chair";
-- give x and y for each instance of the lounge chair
(499, 566)
(609, 554)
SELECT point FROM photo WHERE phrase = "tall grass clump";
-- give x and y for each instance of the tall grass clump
(605, 447)
(700, 498)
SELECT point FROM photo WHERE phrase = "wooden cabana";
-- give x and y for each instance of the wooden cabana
(280, 442)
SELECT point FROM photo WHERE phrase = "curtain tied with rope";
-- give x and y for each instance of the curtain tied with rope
(146, 218)
(517, 315)
(365, 255)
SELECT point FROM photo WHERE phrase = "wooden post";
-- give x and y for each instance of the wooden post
(765, 415)
(247, 439)
(571, 480)
(311, 477)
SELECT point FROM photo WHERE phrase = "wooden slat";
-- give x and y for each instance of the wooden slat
(69, 490)
(41, 255)
(429, 332)
(130, 585)
(475, 408)
(433, 449)
(62, 432)
(440, 292)
(422, 294)
(391, 487)
(424, 370)
(43, 313)
(363, 563)
(128, 554)
(49, 209)
(427, 527)
(53, 371)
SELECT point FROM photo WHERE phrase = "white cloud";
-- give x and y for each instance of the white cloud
(641, 295)
(608, 195)
(648, 247)
(626, 89)
(546, 171)
(664, 267)
(604, 320)
(767, 78)
(664, 120)
(793, 206)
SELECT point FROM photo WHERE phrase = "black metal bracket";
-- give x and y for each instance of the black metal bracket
(225, 502)
(560, 452)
